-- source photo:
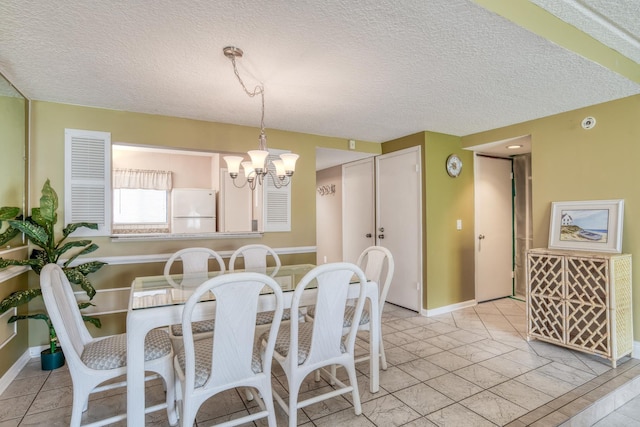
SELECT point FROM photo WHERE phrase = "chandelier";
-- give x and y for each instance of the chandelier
(256, 170)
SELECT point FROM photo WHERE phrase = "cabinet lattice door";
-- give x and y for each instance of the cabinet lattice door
(580, 300)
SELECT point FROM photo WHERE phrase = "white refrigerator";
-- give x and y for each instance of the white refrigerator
(193, 210)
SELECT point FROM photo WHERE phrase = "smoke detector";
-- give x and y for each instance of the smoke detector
(588, 122)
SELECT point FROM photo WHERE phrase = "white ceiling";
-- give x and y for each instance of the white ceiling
(371, 70)
(615, 23)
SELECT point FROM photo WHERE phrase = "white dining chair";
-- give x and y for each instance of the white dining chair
(231, 358)
(256, 260)
(302, 348)
(194, 261)
(378, 266)
(93, 361)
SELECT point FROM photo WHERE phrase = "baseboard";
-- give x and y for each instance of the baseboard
(14, 370)
(635, 353)
(449, 308)
(35, 351)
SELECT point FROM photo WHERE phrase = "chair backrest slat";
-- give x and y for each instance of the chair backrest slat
(234, 334)
(330, 306)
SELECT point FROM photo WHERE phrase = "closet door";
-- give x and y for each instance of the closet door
(494, 228)
(358, 211)
(399, 222)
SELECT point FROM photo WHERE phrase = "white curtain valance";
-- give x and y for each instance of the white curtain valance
(142, 179)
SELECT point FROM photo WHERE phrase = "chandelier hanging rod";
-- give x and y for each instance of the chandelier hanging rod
(259, 166)
(232, 53)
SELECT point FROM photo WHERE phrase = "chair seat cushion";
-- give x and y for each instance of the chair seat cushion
(349, 312)
(201, 327)
(266, 317)
(111, 352)
(305, 332)
(204, 326)
(203, 350)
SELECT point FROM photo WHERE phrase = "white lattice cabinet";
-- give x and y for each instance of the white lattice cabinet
(580, 300)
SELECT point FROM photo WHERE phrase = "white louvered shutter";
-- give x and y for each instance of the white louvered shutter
(277, 201)
(87, 180)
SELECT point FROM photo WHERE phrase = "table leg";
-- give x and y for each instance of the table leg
(136, 332)
(374, 339)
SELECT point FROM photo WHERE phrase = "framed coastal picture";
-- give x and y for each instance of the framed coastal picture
(594, 225)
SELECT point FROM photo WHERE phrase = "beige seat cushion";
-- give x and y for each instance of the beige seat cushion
(305, 332)
(203, 326)
(111, 352)
(266, 317)
(203, 350)
(349, 312)
(200, 327)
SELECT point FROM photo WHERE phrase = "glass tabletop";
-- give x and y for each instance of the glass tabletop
(175, 289)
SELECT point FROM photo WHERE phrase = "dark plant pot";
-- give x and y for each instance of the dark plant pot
(50, 361)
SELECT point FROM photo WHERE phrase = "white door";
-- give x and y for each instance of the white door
(358, 209)
(494, 241)
(398, 222)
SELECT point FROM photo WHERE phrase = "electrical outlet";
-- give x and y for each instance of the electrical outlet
(352, 144)
(459, 224)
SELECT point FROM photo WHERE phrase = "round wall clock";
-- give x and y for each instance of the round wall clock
(454, 165)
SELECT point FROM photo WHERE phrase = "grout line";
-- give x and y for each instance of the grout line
(626, 369)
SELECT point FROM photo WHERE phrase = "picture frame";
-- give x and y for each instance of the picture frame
(594, 225)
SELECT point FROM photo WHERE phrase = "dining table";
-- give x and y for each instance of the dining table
(158, 301)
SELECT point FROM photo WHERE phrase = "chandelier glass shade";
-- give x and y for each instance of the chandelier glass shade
(260, 166)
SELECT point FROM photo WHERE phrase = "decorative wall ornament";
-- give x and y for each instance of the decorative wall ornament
(326, 190)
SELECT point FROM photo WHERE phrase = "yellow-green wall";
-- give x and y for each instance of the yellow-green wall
(12, 140)
(49, 121)
(447, 254)
(450, 264)
(13, 128)
(570, 163)
(19, 344)
(47, 160)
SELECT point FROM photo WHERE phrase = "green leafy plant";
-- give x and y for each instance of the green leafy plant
(39, 229)
(8, 213)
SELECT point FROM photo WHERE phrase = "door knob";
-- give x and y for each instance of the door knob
(381, 229)
(480, 237)
(368, 235)
(380, 236)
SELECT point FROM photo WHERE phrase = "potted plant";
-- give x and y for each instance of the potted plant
(8, 213)
(39, 229)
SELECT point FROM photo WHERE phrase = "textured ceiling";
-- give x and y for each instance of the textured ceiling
(366, 70)
(615, 23)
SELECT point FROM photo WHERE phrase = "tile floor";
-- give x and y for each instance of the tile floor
(471, 367)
